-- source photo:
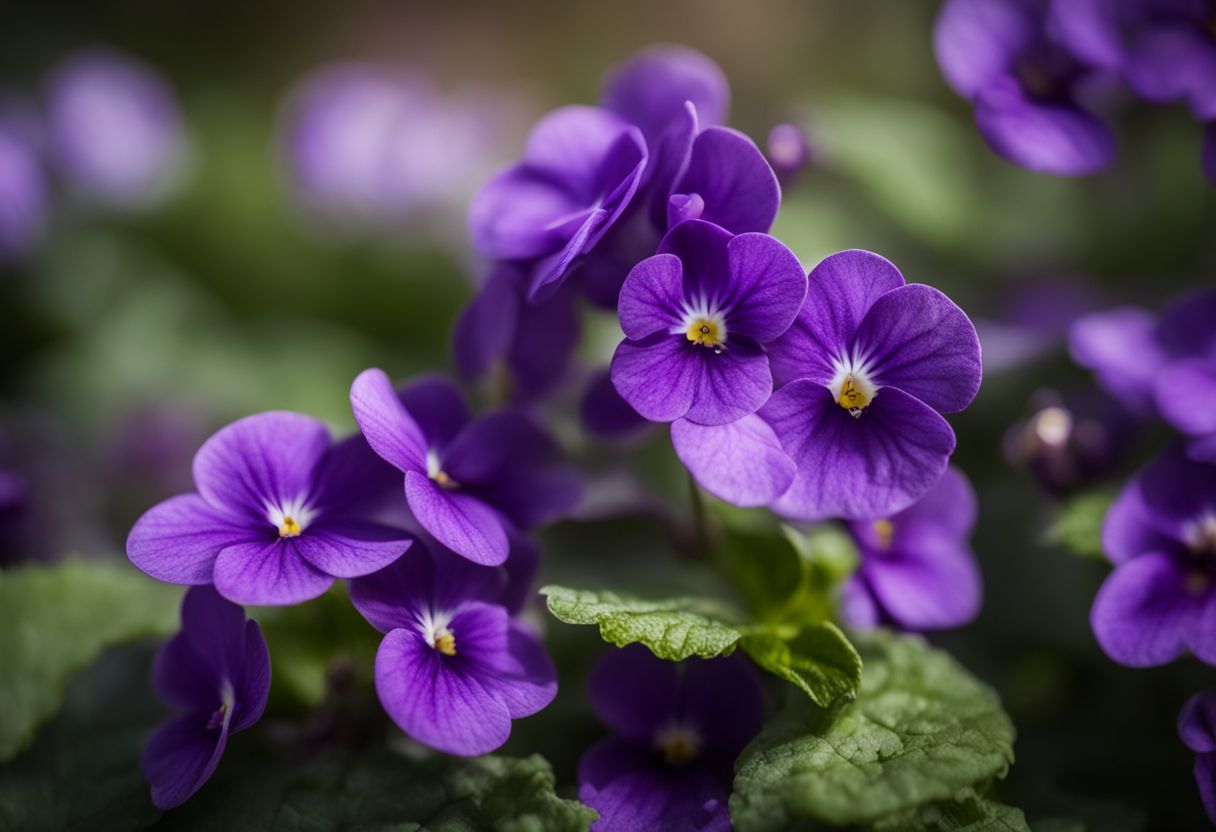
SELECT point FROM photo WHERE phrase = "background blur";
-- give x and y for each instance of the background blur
(129, 334)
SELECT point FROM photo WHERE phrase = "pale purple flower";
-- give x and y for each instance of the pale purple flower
(115, 131)
(467, 481)
(1197, 728)
(677, 730)
(917, 569)
(216, 670)
(696, 318)
(23, 189)
(1160, 534)
(866, 370)
(788, 151)
(280, 513)
(1002, 56)
(453, 669)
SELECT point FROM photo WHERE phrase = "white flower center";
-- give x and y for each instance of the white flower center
(704, 324)
(437, 633)
(853, 385)
(434, 470)
(1201, 534)
(291, 517)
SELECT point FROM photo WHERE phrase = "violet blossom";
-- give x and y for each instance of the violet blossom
(1160, 534)
(677, 730)
(467, 481)
(279, 514)
(696, 318)
(788, 151)
(216, 670)
(453, 669)
(1197, 728)
(1024, 84)
(23, 188)
(917, 569)
(866, 371)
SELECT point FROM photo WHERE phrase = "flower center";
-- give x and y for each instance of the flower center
(227, 698)
(437, 633)
(290, 517)
(706, 332)
(435, 471)
(704, 325)
(445, 642)
(884, 530)
(1052, 426)
(1201, 535)
(678, 744)
(853, 384)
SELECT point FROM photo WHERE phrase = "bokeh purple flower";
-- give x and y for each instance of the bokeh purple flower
(453, 669)
(279, 514)
(1160, 534)
(467, 481)
(788, 151)
(866, 371)
(604, 414)
(677, 730)
(1025, 86)
(216, 670)
(115, 132)
(917, 569)
(23, 188)
(1197, 728)
(696, 318)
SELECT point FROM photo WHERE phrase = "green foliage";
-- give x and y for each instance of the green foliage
(55, 621)
(920, 731)
(967, 813)
(673, 628)
(1078, 526)
(819, 660)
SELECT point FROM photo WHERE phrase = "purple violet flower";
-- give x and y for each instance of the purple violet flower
(651, 88)
(1197, 728)
(867, 369)
(788, 151)
(696, 318)
(917, 568)
(467, 481)
(1160, 534)
(741, 462)
(115, 130)
(23, 190)
(217, 670)
(678, 729)
(1164, 365)
(454, 669)
(279, 514)
(580, 169)
(1002, 57)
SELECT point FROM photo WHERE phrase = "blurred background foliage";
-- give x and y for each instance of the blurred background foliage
(128, 338)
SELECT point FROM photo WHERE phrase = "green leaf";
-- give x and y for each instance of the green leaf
(828, 549)
(673, 628)
(920, 731)
(819, 660)
(968, 813)
(1078, 526)
(55, 621)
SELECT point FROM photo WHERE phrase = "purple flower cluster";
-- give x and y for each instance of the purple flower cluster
(1028, 66)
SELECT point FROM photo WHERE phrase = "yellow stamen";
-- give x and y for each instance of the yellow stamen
(289, 527)
(851, 398)
(705, 332)
(679, 746)
(443, 480)
(885, 532)
(446, 644)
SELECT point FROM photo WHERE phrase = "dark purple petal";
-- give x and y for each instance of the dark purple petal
(633, 692)
(178, 540)
(604, 413)
(1145, 615)
(350, 548)
(731, 385)
(498, 446)
(1205, 780)
(522, 675)
(1186, 395)
(1089, 29)
(919, 341)
(569, 144)
(518, 215)
(657, 377)
(767, 287)
(1120, 348)
(438, 703)
(486, 327)
(947, 510)
(860, 467)
(534, 497)
(1197, 723)
(652, 297)
(724, 700)
(669, 155)
(459, 521)
(181, 757)
(1128, 529)
(547, 274)
(261, 460)
(1203, 449)
(354, 480)
(927, 584)
(386, 424)
(190, 669)
(1185, 328)
(1177, 492)
(977, 41)
(1048, 137)
(545, 340)
(521, 567)
(731, 175)
(702, 249)
(437, 407)
(268, 572)
(684, 207)
(741, 462)
(842, 288)
(651, 88)
(252, 687)
(1174, 62)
